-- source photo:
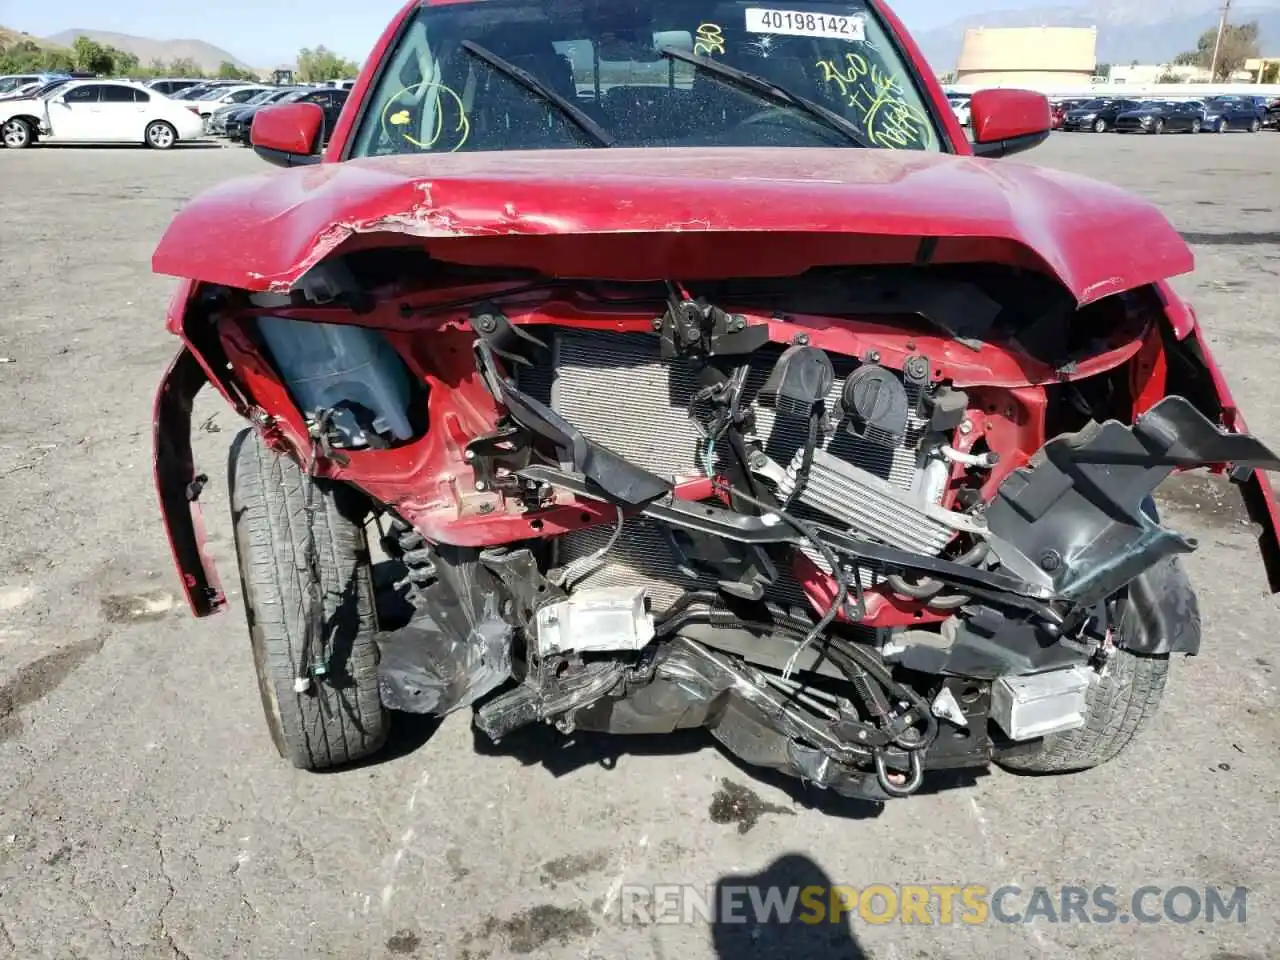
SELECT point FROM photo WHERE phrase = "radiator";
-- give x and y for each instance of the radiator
(616, 389)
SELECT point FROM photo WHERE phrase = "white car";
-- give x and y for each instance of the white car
(960, 105)
(98, 111)
(219, 97)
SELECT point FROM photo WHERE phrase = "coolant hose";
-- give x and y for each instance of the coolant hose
(928, 589)
(923, 590)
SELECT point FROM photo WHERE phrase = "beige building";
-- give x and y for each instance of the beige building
(1027, 56)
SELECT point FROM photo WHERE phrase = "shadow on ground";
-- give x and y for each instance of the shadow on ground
(807, 927)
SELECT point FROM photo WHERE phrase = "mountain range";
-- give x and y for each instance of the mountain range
(1128, 30)
(206, 55)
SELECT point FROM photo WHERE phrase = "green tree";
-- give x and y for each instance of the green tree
(57, 61)
(93, 57)
(229, 71)
(21, 57)
(26, 56)
(1104, 70)
(321, 64)
(125, 64)
(1239, 43)
(185, 67)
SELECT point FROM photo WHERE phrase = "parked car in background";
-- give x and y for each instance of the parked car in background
(235, 121)
(205, 87)
(329, 99)
(1058, 111)
(1162, 116)
(209, 102)
(1227, 114)
(1272, 117)
(170, 85)
(98, 111)
(960, 106)
(1097, 115)
(219, 118)
(15, 82)
(39, 90)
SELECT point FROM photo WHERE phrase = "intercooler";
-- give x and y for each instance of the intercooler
(617, 390)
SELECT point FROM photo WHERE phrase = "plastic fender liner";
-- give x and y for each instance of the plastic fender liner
(178, 485)
(1074, 521)
(1167, 612)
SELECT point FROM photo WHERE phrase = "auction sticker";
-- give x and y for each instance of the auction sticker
(800, 23)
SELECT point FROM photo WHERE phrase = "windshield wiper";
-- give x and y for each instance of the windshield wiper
(773, 91)
(580, 117)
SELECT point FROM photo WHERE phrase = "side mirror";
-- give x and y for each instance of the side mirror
(1008, 121)
(288, 134)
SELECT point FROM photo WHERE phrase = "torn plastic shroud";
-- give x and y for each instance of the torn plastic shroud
(455, 650)
(1073, 521)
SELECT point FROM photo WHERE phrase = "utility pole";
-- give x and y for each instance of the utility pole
(1217, 44)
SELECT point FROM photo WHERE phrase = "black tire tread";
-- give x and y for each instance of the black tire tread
(1118, 705)
(268, 509)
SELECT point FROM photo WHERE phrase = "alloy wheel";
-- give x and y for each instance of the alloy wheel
(16, 134)
(160, 136)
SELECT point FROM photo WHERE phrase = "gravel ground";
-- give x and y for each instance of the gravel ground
(144, 813)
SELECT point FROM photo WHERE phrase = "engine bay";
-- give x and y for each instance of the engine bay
(854, 544)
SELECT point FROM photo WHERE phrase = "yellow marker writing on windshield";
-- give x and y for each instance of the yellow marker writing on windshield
(710, 39)
(876, 95)
(402, 118)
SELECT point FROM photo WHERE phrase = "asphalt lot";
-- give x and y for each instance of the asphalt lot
(144, 813)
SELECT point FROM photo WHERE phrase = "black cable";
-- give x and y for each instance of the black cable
(806, 462)
(882, 675)
(842, 585)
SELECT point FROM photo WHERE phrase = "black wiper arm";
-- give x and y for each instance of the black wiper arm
(771, 90)
(580, 117)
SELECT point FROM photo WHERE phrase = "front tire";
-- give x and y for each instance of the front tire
(1222, 126)
(17, 134)
(160, 135)
(338, 719)
(1159, 127)
(1119, 704)
(1195, 125)
(1099, 126)
(1255, 126)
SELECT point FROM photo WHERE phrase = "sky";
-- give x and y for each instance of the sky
(266, 32)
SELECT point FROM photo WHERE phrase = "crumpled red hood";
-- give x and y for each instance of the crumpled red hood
(678, 213)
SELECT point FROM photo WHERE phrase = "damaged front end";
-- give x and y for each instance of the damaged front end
(858, 523)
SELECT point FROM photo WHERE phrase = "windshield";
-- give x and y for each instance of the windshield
(50, 88)
(266, 96)
(606, 59)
